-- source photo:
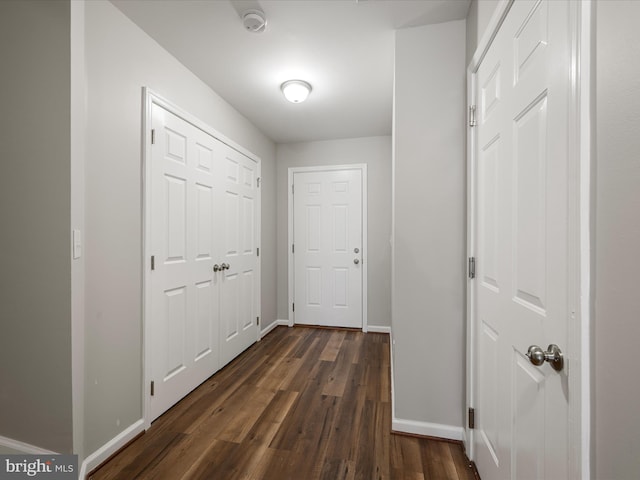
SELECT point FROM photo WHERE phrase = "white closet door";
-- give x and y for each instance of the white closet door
(184, 298)
(523, 244)
(237, 228)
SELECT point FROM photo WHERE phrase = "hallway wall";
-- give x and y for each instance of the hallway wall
(35, 278)
(376, 153)
(429, 185)
(120, 60)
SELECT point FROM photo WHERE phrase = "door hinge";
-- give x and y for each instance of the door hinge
(153, 388)
(472, 267)
(258, 181)
(153, 262)
(153, 136)
(291, 189)
(293, 248)
(472, 418)
(472, 115)
(293, 307)
(257, 320)
(258, 251)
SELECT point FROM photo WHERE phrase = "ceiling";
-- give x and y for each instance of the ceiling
(343, 48)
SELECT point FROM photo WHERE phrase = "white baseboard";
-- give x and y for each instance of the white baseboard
(378, 329)
(427, 429)
(23, 448)
(273, 325)
(109, 448)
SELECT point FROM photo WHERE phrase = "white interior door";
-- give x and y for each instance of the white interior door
(238, 234)
(184, 290)
(523, 87)
(328, 248)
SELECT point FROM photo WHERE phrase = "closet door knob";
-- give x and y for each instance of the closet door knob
(225, 266)
(216, 268)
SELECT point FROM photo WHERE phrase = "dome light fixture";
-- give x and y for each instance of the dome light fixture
(296, 91)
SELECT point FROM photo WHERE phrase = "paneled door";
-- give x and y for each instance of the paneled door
(238, 230)
(328, 247)
(523, 88)
(184, 289)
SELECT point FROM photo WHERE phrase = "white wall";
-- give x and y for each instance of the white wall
(376, 153)
(480, 12)
(428, 316)
(35, 273)
(617, 322)
(120, 60)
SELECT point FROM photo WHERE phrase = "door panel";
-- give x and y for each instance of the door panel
(328, 248)
(184, 311)
(239, 282)
(521, 288)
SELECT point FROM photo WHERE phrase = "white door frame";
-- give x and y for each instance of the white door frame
(365, 250)
(580, 224)
(151, 98)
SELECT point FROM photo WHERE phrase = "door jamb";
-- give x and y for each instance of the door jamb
(581, 193)
(365, 250)
(150, 98)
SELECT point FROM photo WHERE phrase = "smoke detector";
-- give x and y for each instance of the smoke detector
(254, 21)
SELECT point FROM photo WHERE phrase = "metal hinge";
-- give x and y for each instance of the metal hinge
(153, 136)
(472, 267)
(472, 115)
(293, 307)
(472, 418)
(293, 248)
(257, 320)
(153, 388)
(258, 181)
(258, 251)
(153, 262)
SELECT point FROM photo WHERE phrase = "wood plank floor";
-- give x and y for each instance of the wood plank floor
(302, 403)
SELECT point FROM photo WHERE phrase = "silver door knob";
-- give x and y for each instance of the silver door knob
(225, 266)
(216, 268)
(553, 355)
(356, 250)
(356, 261)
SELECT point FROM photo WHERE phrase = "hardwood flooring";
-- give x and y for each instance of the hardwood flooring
(302, 404)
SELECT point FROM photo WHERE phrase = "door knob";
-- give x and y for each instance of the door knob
(216, 268)
(553, 355)
(224, 266)
(356, 261)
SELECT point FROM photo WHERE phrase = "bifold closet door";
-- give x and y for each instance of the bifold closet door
(185, 314)
(239, 237)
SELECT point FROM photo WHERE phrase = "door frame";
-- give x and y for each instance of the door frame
(150, 98)
(580, 231)
(365, 250)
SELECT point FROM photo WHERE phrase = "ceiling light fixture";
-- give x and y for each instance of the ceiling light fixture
(296, 91)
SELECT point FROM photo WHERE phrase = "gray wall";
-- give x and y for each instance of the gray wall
(35, 278)
(120, 59)
(617, 322)
(376, 153)
(429, 224)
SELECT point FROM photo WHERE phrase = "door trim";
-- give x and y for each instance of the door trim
(150, 98)
(580, 222)
(365, 250)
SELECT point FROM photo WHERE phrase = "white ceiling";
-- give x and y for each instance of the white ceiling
(343, 48)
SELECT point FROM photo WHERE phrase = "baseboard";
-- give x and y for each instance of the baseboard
(109, 448)
(378, 329)
(273, 325)
(427, 429)
(23, 448)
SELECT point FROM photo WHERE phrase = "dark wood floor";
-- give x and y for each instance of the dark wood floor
(301, 404)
